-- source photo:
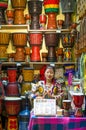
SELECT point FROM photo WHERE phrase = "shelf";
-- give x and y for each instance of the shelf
(14, 28)
(36, 63)
(25, 28)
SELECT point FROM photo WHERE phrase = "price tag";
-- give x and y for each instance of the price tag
(58, 31)
(18, 64)
(52, 64)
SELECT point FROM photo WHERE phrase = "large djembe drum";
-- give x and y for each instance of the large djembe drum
(12, 106)
(35, 9)
(35, 40)
(51, 41)
(51, 9)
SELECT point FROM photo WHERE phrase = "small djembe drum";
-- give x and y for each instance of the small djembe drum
(78, 99)
(66, 106)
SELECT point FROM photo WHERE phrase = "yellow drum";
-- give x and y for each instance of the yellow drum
(28, 74)
(3, 54)
(4, 38)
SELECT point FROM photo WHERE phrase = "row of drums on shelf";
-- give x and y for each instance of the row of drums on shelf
(35, 40)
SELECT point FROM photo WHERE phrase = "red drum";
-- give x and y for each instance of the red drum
(10, 13)
(12, 89)
(78, 99)
(42, 18)
(35, 56)
(12, 105)
(52, 24)
(12, 74)
(35, 38)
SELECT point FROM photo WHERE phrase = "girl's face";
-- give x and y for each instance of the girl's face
(49, 74)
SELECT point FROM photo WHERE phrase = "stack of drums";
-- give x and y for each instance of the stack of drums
(35, 38)
(12, 99)
(68, 40)
(4, 41)
(51, 38)
(19, 39)
(28, 74)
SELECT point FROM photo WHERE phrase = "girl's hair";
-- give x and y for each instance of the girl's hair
(50, 67)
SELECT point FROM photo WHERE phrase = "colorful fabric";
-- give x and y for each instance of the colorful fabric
(51, 10)
(57, 123)
(51, 6)
(3, 4)
(51, 2)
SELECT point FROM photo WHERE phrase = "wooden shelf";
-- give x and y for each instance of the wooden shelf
(25, 28)
(36, 63)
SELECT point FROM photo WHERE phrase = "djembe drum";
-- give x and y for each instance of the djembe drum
(12, 106)
(78, 99)
(66, 106)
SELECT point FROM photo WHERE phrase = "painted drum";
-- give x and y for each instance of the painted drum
(12, 123)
